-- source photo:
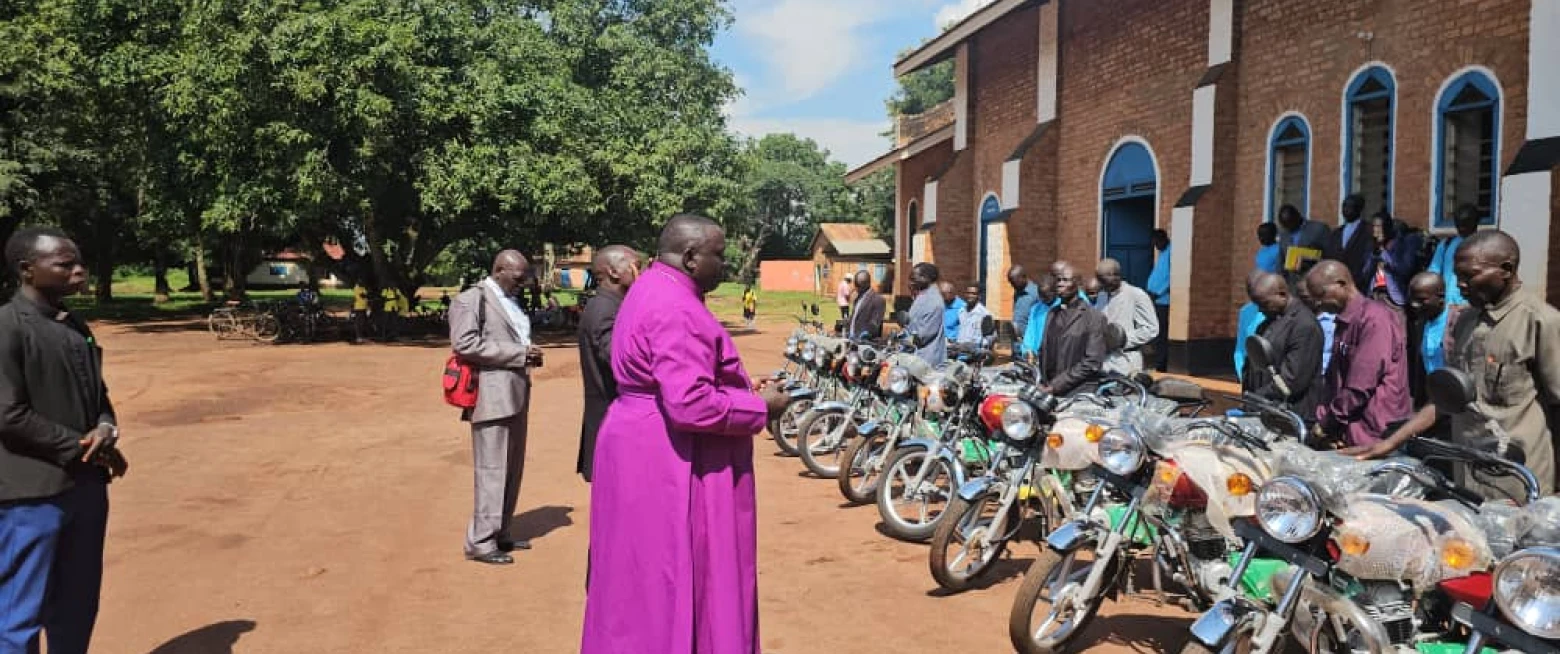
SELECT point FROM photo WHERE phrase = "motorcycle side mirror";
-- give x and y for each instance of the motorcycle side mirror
(1260, 351)
(814, 308)
(901, 318)
(988, 326)
(1451, 390)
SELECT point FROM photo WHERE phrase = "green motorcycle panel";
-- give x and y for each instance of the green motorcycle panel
(1447, 648)
(1142, 533)
(1257, 583)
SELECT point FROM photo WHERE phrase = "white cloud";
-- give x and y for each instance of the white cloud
(953, 13)
(809, 45)
(854, 142)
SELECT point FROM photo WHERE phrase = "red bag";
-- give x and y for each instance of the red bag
(460, 383)
(460, 378)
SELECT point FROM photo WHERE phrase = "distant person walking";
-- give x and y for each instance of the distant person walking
(57, 454)
(489, 331)
(1158, 287)
(750, 306)
(842, 297)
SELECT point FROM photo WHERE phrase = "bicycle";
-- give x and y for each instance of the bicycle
(237, 321)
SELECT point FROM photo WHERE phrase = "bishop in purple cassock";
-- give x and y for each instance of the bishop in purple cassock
(673, 524)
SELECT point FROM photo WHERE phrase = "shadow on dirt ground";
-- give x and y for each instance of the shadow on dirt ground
(540, 521)
(216, 638)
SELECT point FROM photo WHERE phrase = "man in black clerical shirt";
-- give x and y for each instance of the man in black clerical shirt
(57, 453)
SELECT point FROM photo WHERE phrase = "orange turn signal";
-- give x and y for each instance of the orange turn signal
(1354, 545)
(1053, 441)
(1093, 433)
(1458, 554)
(1238, 484)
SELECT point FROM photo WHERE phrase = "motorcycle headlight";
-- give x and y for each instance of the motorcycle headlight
(1018, 421)
(1121, 451)
(790, 346)
(1527, 589)
(898, 380)
(1289, 510)
(853, 362)
(819, 356)
(809, 350)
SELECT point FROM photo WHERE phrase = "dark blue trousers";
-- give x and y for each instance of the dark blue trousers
(51, 569)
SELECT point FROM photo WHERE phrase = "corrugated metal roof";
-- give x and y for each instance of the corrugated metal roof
(866, 248)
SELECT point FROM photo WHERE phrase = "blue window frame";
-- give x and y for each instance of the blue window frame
(1370, 103)
(1468, 131)
(1289, 167)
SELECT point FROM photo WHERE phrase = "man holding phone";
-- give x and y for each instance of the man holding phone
(490, 331)
(57, 452)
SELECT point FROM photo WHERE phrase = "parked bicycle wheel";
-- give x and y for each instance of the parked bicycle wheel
(266, 328)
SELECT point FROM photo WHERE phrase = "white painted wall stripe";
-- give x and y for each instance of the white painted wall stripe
(1202, 134)
(1221, 31)
(1524, 211)
(1543, 82)
(1181, 271)
(1010, 170)
(1048, 62)
(929, 205)
(961, 98)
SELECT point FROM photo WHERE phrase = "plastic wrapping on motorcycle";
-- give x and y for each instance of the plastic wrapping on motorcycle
(1409, 540)
(919, 370)
(1333, 476)
(1210, 464)
(1510, 528)
(830, 344)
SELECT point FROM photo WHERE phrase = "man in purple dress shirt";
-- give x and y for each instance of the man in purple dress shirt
(1366, 389)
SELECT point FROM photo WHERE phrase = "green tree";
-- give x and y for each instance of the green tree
(790, 186)
(922, 90)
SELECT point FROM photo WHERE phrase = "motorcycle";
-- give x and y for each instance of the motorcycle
(1516, 606)
(1364, 556)
(866, 456)
(821, 356)
(1182, 481)
(828, 428)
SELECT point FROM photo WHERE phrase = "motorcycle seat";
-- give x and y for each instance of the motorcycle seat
(1178, 390)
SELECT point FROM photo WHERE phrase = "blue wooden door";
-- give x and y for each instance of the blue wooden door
(1128, 196)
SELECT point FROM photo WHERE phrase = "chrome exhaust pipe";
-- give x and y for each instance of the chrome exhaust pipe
(1371, 632)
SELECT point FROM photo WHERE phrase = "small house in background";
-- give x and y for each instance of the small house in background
(285, 269)
(573, 270)
(840, 250)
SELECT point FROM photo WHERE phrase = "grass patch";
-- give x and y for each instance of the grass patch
(726, 303)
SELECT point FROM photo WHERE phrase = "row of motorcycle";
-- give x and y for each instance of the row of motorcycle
(1136, 487)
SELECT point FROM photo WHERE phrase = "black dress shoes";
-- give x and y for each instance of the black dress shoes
(493, 558)
(512, 545)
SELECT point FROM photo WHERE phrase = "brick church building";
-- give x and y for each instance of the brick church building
(1080, 126)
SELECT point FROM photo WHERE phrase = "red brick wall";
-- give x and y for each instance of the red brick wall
(1032, 229)
(1002, 92)
(1123, 77)
(914, 173)
(1424, 42)
(953, 238)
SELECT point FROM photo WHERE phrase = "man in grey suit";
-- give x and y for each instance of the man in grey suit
(926, 315)
(490, 331)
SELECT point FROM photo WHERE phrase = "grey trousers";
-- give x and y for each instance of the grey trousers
(498, 462)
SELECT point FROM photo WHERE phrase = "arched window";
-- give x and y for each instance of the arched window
(1289, 166)
(1368, 134)
(1468, 130)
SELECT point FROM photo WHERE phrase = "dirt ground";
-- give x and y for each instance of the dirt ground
(302, 499)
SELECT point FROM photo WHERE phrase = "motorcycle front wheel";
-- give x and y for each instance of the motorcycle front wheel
(1049, 589)
(963, 550)
(821, 440)
(912, 510)
(786, 425)
(861, 468)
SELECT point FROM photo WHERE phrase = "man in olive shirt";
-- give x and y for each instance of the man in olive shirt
(1508, 341)
(57, 452)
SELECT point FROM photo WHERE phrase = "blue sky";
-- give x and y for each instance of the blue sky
(822, 68)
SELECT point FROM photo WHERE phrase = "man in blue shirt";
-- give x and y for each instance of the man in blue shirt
(1025, 294)
(1268, 255)
(1467, 221)
(1430, 321)
(954, 304)
(1034, 330)
(1326, 320)
(1158, 287)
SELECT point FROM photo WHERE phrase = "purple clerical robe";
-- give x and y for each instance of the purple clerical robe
(673, 520)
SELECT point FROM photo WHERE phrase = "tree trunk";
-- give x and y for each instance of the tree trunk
(234, 270)
(200, 274)
(162, 292)
(103, 269)
(750, 263)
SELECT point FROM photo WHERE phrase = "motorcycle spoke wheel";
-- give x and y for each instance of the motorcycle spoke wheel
(862, 468)
(790, 421)
(1046, 614)
(821, 443)
(964, 548)
(911, 510)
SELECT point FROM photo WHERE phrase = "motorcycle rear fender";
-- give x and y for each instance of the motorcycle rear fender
(803, 394)
(920, 444)
(869, 428)
(831, 407)
(971, 490)
(1227, 618)
(1071, 535)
